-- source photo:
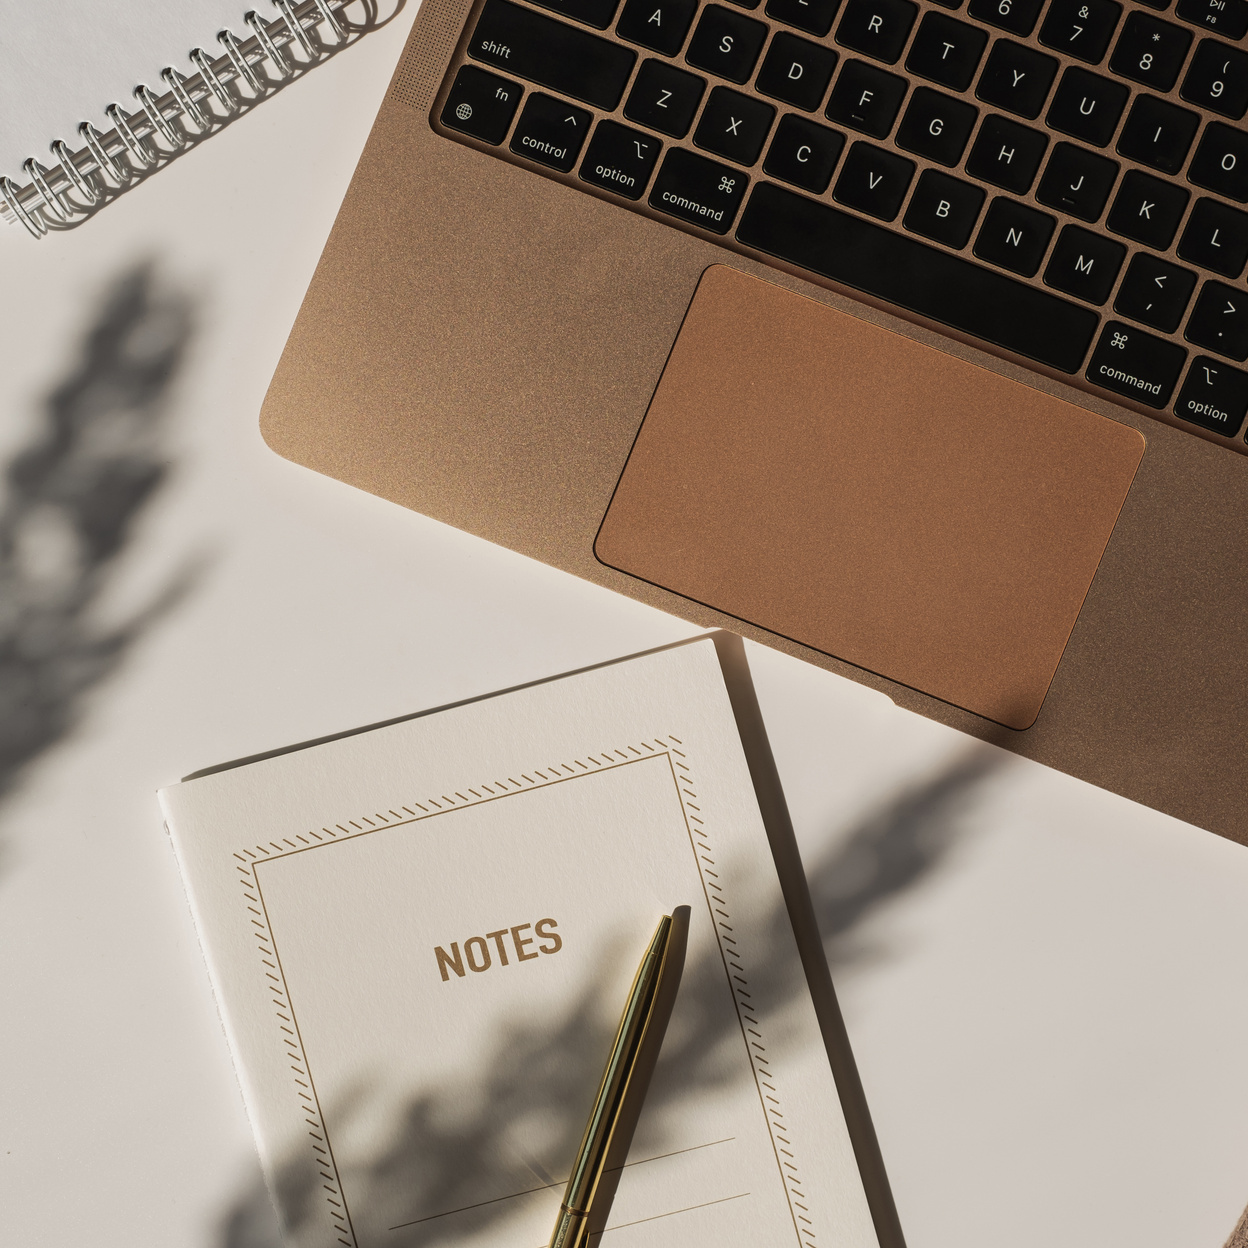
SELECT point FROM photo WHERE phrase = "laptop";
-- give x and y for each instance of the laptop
(904, 337)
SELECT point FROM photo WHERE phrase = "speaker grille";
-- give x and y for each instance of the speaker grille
(429, 49)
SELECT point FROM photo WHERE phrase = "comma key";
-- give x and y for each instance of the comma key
(700, 191)
(620, 159)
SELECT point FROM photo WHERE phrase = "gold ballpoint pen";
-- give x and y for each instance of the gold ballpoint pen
(572, 1227)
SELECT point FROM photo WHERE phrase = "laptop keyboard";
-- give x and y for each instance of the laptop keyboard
(1059, 180)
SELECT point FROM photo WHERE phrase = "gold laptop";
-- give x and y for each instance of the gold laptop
(903, 337)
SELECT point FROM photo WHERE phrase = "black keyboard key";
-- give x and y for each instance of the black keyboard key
(1084, 264)
(1077, 181)
(813, 16)
(664, 98)
(943, 208)
(1155, 292)
(867, 99)
(698, 190)
(1147, 210)
(1228, 18)
(1016, 16)
(734, 125)
(596, 13)
(1081, 28)
(1216, 238)
(1006, 154)
(873, 181)
(804, 153)
(1016, 78)
(936, 126)
(900, 269)
(796, 71)
(1221, 162)
(1160, 5)
(660, 25)
(1131, 362)
(1087, 106)
(1219, 321)
(946, 51)
(877, 27)
(1218, 79)
(1214, 396)
(620, 159)
(725, 43)
(551, 132)
(481, 104)
(1157, 134)
(1014, 236)
(1150, 51)
(551, 54)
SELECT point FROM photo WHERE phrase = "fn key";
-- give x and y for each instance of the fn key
(481, 104)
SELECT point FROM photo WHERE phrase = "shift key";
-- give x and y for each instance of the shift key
(545, 51)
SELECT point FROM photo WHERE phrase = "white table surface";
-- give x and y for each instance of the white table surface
(1046, 986)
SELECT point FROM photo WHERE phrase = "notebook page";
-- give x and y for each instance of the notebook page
(422, 939)
(63, 62)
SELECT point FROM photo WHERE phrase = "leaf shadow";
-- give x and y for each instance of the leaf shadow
(72, 502)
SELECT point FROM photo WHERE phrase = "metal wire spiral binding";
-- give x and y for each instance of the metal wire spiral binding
(143, 93)
(66, 160)
(104, 163)
(135, 146)
(175, 82)
(51, 201)
(201, 61)
(276, 59)
(293, 25)
(242, 67)
(303, 34)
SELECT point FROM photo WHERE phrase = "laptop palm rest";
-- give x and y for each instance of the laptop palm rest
(870, 497)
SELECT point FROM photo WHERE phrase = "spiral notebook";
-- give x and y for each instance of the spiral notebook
(95, 98)
(421, 937)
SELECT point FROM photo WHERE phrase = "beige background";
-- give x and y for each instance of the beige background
(1046, 987)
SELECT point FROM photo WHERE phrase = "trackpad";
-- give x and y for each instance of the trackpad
(870, 497)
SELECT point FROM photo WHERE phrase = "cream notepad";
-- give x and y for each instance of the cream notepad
(422, 936)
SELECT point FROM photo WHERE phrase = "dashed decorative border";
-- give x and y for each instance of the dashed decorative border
(717, 905)
(734, 956)
(309, 1103)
